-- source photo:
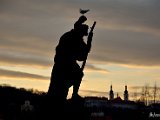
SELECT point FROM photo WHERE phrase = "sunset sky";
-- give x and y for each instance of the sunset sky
(125, 48)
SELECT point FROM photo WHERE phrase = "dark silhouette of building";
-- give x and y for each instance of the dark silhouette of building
(126, 93)
(111, 93)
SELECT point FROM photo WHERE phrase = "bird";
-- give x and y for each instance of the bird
(83, 11)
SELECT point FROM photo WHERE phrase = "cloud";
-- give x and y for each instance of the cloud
(129, 14)
(127, 32)
(93, 93)
(145, 86)
(24, 60)
(95, 68)
(22, 75)
(27, 44)
(126, 47)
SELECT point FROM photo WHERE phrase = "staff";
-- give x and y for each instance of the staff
(89, 40)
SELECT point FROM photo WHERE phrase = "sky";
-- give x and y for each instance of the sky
(125, 47)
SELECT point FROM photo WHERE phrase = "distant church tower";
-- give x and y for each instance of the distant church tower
(111, 94)
(126, 93)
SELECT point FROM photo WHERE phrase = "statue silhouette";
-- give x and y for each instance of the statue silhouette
(66, 71)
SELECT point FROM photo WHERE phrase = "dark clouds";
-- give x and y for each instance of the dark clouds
(95, 68)
(127, 14)
(145, 87)
(94, 93)
(21, 75)
(127, 47)
(19, 59)
(127, 32)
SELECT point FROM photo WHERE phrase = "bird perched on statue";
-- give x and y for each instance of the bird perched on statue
(83, 11)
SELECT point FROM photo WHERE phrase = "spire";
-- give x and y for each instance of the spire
(117, 95)
(126, 93)
(126, 87)
(111, 93)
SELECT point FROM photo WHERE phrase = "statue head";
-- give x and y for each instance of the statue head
(80, 27)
